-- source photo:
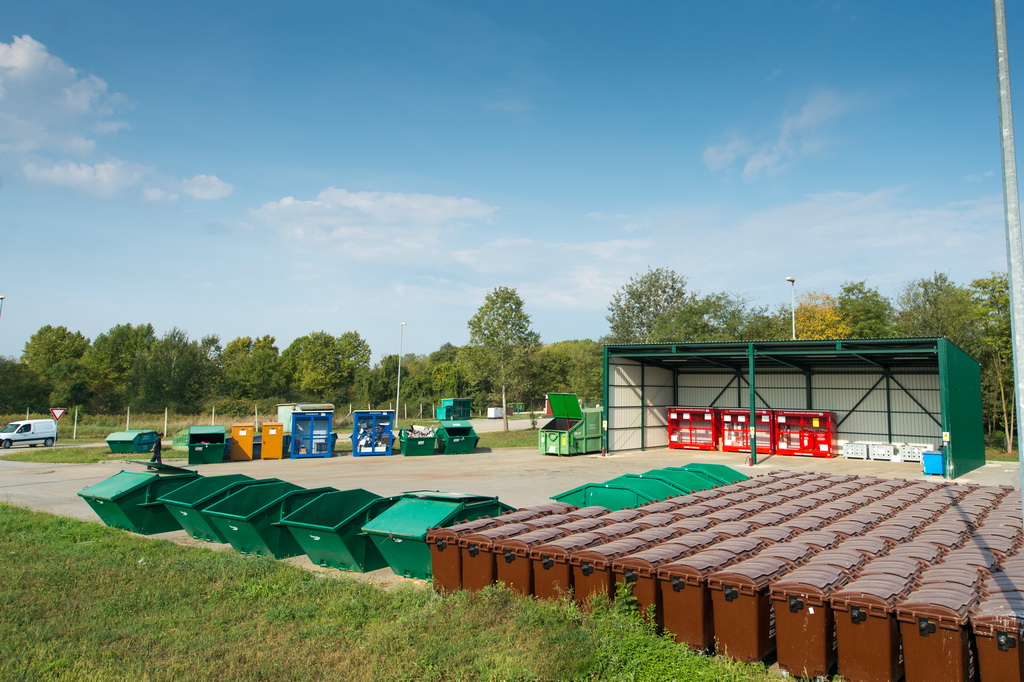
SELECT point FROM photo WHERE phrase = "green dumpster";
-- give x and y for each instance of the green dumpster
(572, 431)
(456, 438)
(180, 440)
(654, 486)
(415, 443)
(613, 496)
(250, 518)
(400, 532)
(689, 481)
(207, 444)
(329, 528)
(131, 442)
(454, 409)
(189, 501)
(130, 499)
(719, 474)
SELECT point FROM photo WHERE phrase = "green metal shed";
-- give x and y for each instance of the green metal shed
(919, 390)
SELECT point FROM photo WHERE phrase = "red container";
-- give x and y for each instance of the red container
(692, 428)
(803, 432)
(867, 632)
(805, 627)
(445, 556)
(512, 557)
(998, 625)
(743, 614)
(736, 430)
(936, 637)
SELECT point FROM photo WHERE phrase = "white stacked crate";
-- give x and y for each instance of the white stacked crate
(856, 450)
(886, 452)
(914, 452)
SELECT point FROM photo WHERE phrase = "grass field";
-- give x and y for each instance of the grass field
(81, 601)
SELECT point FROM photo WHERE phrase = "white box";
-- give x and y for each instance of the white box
(855, 450)
(494, 413)
(914, 452)
(886, 452)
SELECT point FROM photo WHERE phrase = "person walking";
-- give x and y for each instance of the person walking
(157, 451)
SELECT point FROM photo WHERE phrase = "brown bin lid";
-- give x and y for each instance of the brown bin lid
(450, 535)
(968, 576)
(848, 560)
(581, 526)
(692, 525)
(903, 567)
(972, 556)
(949, 603)
(754, 506)
(766, 518)
(735, 497)
(601, 556)
(561, 548)
(696, 567)
(900, 522)
(817, 582)
(588, 512)
(826, 513)
(486, 537)
(792, 552)
(696, 511)
(520, 545)
(741, 547)
(821, 539)
(696, 541)
(876, 594)
(549, 521)
(726, 515)
(750, 575)
(999, 545)
(895, 533)
(731, 529)
(999, 530)
(849, 528)
(805, 523)
(924, 552)
(771, 535)
(655, 520)
(1003, 582)
(617, 530)
(657, 535)
(868, 546)
(621, 515)
(645, 563)
(660, 507)
(998, 613)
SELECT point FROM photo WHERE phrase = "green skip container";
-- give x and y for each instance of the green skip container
(130, 499)
(456, 438)
(572, 431)
(718, 474)
(131, 442)
(413, 445)
(612, 496)
(329, 528)
(400, 532)
(250, 518)
(189, 501)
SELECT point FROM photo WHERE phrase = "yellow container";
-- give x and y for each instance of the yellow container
(242, 437)
(273, 440)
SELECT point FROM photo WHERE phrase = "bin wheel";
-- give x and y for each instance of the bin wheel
(6, 444)
(48, 442)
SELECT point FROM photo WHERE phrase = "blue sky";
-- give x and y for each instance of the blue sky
(248, 168)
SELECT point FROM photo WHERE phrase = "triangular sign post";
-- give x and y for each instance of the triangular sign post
(58, 412)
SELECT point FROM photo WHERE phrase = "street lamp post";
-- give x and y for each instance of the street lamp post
(792, 305)
(2, 297)
(398, 391)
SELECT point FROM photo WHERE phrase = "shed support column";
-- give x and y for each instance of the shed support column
(752, 425)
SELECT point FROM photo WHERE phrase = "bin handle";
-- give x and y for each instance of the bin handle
(440, 544)
(586, 568)
(795, 604)
(925, 627)
(473, 550)
(510, 556)
(857, 615)
(678, 584)
(632, 576)
(731, 593)
(1005, 640)
(547, 562)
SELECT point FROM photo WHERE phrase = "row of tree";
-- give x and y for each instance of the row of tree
(129, 365)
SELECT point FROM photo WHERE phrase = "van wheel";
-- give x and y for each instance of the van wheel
(48, 442)
(6, 444)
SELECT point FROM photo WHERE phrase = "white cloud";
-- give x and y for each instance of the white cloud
(104, 179)
(46, 105)
(376, 221)
(206, 187)
(800, 135)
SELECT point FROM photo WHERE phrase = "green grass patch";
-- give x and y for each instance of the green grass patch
(527, 438)
(74, 455)
(83, 601)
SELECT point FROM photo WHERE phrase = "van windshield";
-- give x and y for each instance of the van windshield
(10, 428)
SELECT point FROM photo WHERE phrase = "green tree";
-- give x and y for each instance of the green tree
(20, 388)
(570, 367)
(324, 367)
(704, 319)
(252, 368)
(501, 343)
(939, 307)
(55, 355)
(819, 316)
(177, 373)
(995, 353)
(110, 361)
(870, 315)
(638, 307)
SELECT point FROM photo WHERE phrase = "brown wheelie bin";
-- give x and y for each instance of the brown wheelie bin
(549, 563)
(741, 602)
(805, 636)
(903, 568)
(773, 534)
(685, 599)
(692, 525)
(847, 560)
(998, 624)
(869, 547)
(925, 552)
(512, 557)
(640, 570)
(445, 556)
(592, 567)
(867, 633)
(478, 567)
(934, 625)
(793, 552)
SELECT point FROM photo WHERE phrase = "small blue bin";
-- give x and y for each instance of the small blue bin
(934, 463)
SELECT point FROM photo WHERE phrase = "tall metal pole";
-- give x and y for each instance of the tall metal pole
(2, 305)
(1011, 207)
(792, 304)
(398, 391)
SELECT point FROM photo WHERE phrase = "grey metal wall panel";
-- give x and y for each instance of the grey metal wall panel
(623, 396)
(656, 437)
(624, 418)
(624, 439)
(624, 373)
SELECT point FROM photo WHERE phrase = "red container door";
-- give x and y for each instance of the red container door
(736, 431)
(692, 428)
(804, 433)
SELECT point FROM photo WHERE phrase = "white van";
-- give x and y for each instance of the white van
(29, 432)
